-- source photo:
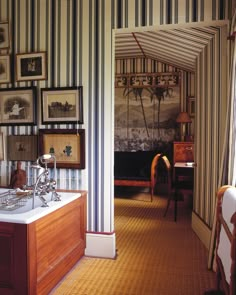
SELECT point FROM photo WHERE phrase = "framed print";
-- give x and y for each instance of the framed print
(22, 147)
(4, 35)
(1, 147)
(62, 105)
(31, 66)
(5, 76)
(68, 146)
(18, 106)
(191, 106)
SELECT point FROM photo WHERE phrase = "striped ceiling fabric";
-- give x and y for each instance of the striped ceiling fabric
(179, 47)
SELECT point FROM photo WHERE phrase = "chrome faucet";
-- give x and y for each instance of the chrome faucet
(44, 184)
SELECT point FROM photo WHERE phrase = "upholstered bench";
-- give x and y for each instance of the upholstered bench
(137, 169)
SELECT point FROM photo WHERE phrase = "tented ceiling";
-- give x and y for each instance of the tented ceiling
(179, 47)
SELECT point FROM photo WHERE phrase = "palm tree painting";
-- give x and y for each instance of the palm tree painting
(145, 116)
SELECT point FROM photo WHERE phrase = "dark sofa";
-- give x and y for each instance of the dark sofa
(139, 168)
(133, 165)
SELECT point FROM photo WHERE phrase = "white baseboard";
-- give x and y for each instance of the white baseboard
(101, 245)
(201, 230)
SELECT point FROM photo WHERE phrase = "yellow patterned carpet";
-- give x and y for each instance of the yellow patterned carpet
(155, 255)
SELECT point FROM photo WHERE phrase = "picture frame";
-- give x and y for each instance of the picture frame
(68, 146)
(22, 147)
(191, 106)
(5, 69)
(31, 66)
(62, 105)
(18, 106)
(2, 146)
(4, 35)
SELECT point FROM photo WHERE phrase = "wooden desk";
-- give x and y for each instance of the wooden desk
(183, 180)
(183, 151)
(183, 170)
(182, 173)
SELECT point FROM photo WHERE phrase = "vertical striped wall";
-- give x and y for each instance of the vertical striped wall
(211, 93)
(77, 35)
(142, 65)
(210, 83)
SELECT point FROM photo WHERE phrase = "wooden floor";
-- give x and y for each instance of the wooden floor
(155, 255)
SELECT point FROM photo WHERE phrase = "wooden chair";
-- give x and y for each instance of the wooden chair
(226, 240)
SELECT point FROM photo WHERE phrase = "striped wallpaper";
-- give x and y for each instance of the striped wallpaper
(77, 36)
(142, 65)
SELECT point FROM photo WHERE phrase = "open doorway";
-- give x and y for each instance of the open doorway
(198, 50)
(150, 91)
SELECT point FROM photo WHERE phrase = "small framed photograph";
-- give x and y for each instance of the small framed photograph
(68, 146)
(31, 66)
(22, 147)
(4, 35)
(191, 106)
(62, 105)
(1, 146)
(18, 106)
(5, 76)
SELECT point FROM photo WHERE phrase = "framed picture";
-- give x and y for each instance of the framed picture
(18, 106)
(5, 76)
(1, 147)
(191, 106)
(4, 35)
(62, 105)
(31, 66)
(22, 147)
(68, 146)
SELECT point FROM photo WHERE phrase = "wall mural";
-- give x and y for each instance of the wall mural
(146, 106)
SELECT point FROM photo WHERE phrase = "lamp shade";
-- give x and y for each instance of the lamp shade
(183, 117)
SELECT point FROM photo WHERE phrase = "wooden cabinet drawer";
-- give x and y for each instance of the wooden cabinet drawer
(183, 152)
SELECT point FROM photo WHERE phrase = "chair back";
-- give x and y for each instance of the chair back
(226, 239)
(169, 174)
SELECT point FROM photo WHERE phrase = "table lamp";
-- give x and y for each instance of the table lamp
(183, 118)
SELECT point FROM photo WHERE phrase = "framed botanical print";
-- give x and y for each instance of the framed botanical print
(67, 145)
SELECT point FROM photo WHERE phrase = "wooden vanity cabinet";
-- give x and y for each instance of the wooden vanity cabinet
(34, 257)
